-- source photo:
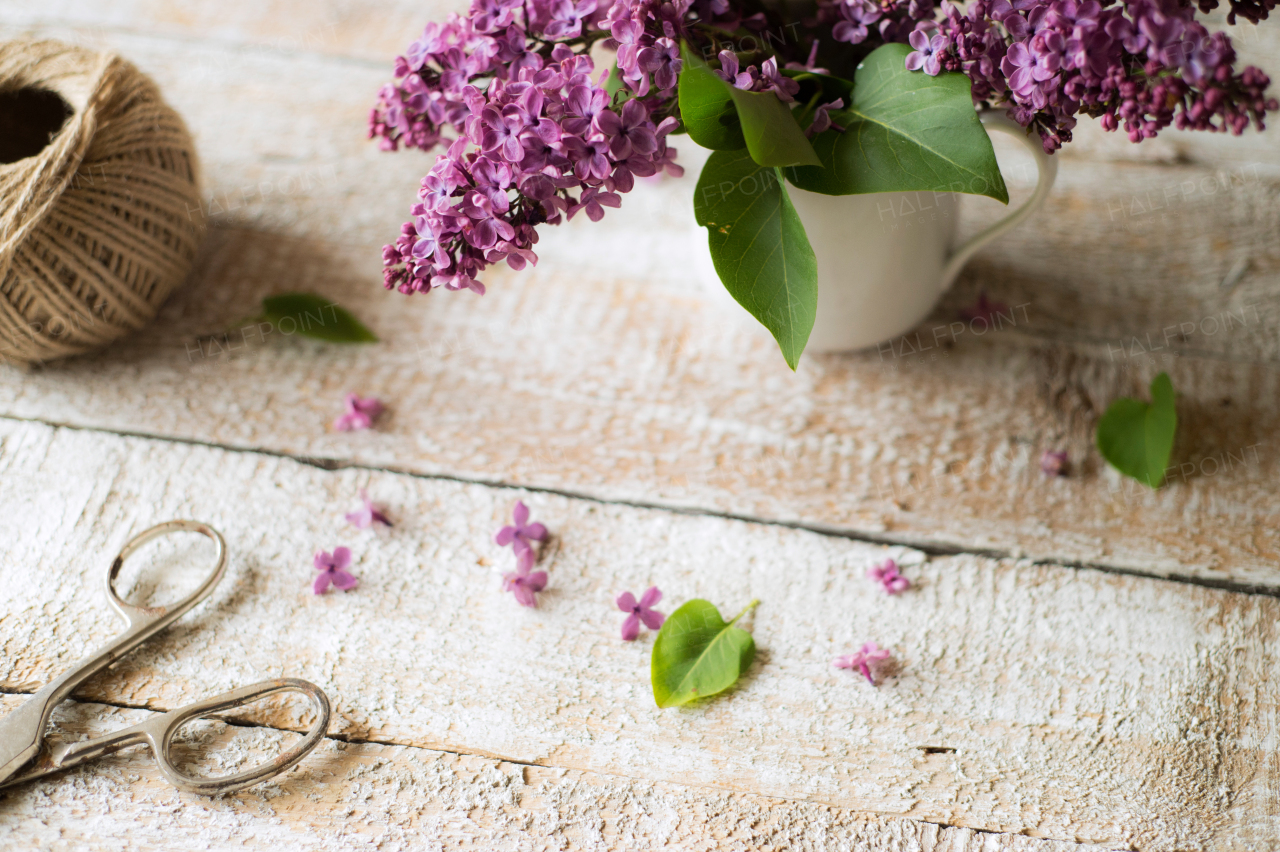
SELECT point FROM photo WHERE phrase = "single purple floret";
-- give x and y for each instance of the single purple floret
(523, 582)
(641, 610)
(888, 576)
(360, 413)
(927, 52)
(1054, 462)
(862, 660)
(368, 515)
(333, 570)
(522, 534)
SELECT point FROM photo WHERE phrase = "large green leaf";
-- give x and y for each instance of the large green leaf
(760, 121)
(1137, 437)
(314, 316)
(904, 131)
(759, 246)
(697, 654)
(706, 108)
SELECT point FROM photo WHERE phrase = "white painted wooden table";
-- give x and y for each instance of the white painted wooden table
(1081, 662)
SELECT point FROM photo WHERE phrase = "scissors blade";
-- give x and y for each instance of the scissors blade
(21, 733)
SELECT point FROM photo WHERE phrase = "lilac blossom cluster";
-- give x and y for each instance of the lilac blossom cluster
(535, 137)
(1143, 65)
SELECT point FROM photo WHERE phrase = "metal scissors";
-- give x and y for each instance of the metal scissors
(25, 753)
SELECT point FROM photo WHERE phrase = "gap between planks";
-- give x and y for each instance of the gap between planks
(931, 548)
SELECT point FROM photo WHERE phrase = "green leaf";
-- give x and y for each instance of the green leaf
(904, 131)
(759, 120)
(314, 316)
(773, 135)
(1137, 437)
(706, 109)
(696, 654)
(759, 246)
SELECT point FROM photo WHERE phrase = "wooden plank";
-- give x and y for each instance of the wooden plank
(1040, 700)
(348, 796)
(685, 397)
(688, 404)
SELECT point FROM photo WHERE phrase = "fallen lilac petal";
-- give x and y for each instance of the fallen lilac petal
(521, 534)
(360, 413)
(332, 568)
(862, 660)
(368, 515)
(889, 577)
(1054, 463)
(640, 611)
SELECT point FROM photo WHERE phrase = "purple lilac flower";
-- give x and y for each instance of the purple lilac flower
(641, 610)
(531, 136)
(927, 53)
(522, 534)
(368, 514)
(729, 72)
(1054, 463)
(1144, 65)
(775, 81)
(360, 413)
(822, 118)
(538, 143)
(862, 660)
(890, 579)
(333, 570)
(628, 132)
(662, 60)
(523, 582)
(855, 18)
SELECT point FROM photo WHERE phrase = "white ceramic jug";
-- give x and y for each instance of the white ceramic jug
(884, 259)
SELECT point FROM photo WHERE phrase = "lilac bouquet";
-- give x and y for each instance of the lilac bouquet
(535, 133)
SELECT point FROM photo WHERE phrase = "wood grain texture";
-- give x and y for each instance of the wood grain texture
(353, 796)
(651, 395)
(1037, 700)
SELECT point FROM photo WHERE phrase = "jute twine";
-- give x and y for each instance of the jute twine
(98, 227)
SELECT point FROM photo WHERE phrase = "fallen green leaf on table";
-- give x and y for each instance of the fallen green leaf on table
(313, 316)
(1136, 437)
(697, 654)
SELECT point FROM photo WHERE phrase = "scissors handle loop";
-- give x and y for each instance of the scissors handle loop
(152, 619)
(159, 734)
(174, 720)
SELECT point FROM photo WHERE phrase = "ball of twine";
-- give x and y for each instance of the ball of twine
(100, 224)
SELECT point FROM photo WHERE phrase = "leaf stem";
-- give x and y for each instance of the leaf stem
(755, 603)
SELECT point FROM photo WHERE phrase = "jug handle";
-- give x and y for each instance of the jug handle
(1047, 169)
